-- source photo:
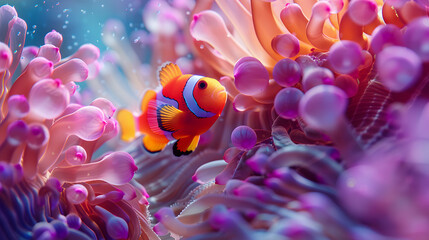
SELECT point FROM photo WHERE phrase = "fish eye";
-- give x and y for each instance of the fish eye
(202, 84)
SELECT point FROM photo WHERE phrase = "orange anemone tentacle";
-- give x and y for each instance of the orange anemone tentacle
(390, 16)
(263, 17)
(241, 19)
(321, 12)
(351, 31)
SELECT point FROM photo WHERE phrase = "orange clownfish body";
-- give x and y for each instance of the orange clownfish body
(186, 107)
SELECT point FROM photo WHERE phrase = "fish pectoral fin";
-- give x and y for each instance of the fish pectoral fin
(148, 96)
(168, 118)
(163, 117)
(185, 146)
(127, 124)
(154, 143)
(167, 72)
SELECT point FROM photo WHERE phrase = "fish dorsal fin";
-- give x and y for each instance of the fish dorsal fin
(167, 72)
(148, 96)
(163, 117)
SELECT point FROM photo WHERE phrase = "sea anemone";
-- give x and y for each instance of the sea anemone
(51, 185)
(323, 119)
(324, 135)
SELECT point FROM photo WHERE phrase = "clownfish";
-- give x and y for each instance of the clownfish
(184, 108)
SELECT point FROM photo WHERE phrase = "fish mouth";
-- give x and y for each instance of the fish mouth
(221, 93)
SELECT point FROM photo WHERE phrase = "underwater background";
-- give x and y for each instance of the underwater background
(324, 134)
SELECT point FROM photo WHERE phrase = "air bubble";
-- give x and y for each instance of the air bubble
(136, 40)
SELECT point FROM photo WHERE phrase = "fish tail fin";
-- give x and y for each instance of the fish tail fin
(127, 124)
(185, 146)
(154, 143)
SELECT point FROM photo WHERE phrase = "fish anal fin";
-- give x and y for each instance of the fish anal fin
(127, 124)
(167, 72)
(148, 96)
(185, 146)
(154, 143)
